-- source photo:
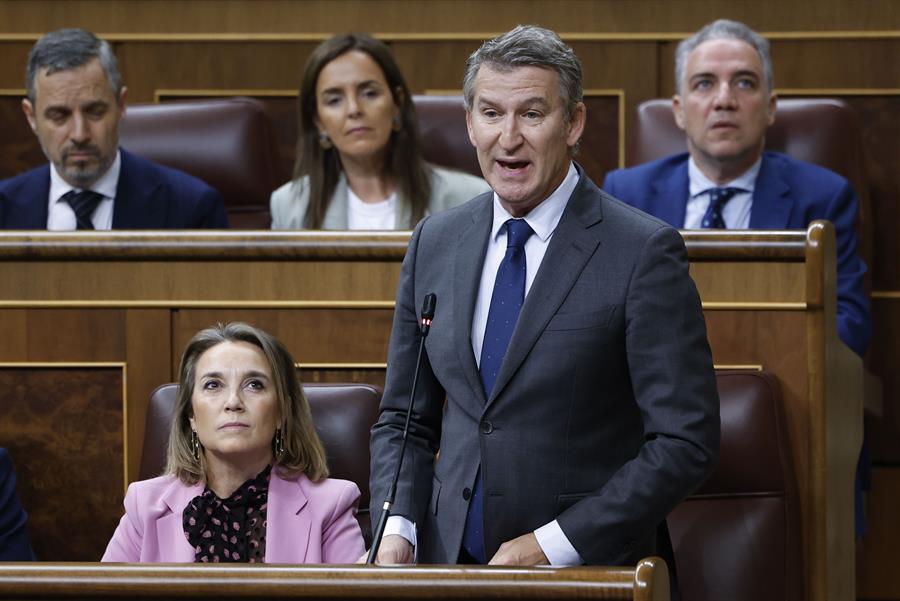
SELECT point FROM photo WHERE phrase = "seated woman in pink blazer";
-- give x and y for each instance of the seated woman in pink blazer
(246, 474)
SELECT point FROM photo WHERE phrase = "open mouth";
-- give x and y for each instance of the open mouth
(513, 165)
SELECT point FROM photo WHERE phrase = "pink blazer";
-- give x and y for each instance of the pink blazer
(307, 522)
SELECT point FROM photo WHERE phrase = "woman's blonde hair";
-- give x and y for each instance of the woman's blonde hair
(303, 451)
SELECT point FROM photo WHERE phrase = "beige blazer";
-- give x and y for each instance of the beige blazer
(449, 188)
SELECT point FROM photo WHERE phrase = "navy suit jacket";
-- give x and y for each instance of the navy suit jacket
(148, 196)
(13, 535)
(788, 194)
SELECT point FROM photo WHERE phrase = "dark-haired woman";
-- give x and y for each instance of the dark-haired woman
(359, 164)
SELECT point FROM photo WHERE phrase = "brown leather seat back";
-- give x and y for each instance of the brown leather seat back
(445, 139)
(226, 142)
(737, 536)
(343, 415)
(824, 131)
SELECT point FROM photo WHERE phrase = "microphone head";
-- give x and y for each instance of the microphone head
(428, 306)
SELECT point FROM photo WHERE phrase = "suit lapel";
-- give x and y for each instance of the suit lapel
(670, 203)
(137, 204)
(336, 215)
(288, 526)
(468, 261)
(173, 545)
(574, 242)
(772, 202)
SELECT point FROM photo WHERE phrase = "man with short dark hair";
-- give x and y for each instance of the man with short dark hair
(724, 103)
(567, 381)
(74, 104)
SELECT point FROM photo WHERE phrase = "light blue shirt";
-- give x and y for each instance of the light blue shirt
(735, 213)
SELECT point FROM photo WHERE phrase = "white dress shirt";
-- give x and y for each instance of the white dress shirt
(61, 217)
(543, 219)
(735, 213)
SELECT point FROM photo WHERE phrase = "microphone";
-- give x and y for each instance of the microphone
(425, 319)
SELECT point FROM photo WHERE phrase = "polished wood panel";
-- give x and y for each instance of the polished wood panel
(648, 581)
(327, 16)
(769, 300)
(63, 425)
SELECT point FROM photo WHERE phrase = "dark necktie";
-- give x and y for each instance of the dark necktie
(506, 302)
(712, 219)
(84, 203)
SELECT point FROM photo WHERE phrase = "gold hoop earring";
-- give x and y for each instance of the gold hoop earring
(325, 141)
(278, 444)
(195, 445)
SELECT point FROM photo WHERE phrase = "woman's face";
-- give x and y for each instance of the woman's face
(235, 404)
(354, 106)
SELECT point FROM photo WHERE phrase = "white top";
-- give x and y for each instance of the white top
(362, 215)
(543, 219)
(735, 213)
(61, 217)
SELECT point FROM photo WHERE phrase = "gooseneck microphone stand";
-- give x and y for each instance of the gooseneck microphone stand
(428, 306)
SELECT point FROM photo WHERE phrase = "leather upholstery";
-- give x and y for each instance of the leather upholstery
(343, 415)
(445, 139)
(737, 536)
(824, 131)
(226, 142)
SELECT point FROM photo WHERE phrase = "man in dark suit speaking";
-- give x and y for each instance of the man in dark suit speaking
(74, 104)
(567, 382)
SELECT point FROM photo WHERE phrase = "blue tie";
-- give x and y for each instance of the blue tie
(83, 203)
(712, 219)
(506, 302)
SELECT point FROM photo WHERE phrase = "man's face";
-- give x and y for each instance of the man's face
(724, 106)
(522, 138)
(75, 117)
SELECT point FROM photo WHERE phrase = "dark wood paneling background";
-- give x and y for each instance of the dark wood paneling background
(840, 48)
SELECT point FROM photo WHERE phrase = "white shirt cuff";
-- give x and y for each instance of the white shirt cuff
(403, 527)
(556, 546)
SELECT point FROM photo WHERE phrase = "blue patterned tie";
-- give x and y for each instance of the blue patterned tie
(712, 219)
(506, 302)
(84, 203)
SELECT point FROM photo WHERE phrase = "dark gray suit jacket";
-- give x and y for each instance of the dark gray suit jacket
(604, 414)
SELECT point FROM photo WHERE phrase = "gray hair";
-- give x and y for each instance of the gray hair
(67, 49)
(528, 46)
(724, 29)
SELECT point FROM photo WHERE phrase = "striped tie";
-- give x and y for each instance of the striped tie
(84, 203)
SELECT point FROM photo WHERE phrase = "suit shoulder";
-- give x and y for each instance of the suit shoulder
(645, 173)
(27, 179)
(181, 183)
(803, 174)
(152, 487)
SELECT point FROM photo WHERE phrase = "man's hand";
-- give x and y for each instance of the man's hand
(521, 551)
(394, 549)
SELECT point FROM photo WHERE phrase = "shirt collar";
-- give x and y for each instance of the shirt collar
(699, 183)
(106, 185)
(543, 218)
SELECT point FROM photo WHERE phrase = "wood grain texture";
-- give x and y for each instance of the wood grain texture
(63, 426)
(648, 581)
(327, 16)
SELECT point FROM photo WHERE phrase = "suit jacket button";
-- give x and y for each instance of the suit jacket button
(467, 494)
(487, 427)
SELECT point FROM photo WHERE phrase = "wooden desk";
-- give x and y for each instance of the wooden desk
(649, 581)
(91, 323)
